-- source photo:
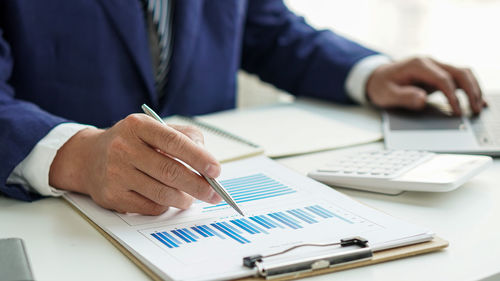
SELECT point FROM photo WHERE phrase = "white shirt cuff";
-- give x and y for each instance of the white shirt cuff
(358, 76)
(33, 172)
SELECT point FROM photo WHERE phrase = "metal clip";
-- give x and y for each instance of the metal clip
(304, 264)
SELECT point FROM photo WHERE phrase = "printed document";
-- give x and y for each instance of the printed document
(282, 207)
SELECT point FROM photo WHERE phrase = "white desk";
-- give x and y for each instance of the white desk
(63, 246)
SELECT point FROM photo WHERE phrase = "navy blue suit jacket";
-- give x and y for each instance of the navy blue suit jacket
(88, 61)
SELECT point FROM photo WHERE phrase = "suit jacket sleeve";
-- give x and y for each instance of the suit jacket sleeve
(282, 49)
(22, 125)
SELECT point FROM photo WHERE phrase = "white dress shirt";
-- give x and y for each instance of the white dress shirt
(33, 172)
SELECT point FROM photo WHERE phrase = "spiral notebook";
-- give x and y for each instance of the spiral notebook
(299, 127)
(223, 145)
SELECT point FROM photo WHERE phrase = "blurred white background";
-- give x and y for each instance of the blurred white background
(462, 32)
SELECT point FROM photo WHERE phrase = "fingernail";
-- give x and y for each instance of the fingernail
(215, 198)
(212, 170)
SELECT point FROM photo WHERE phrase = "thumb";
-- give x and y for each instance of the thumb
(410, 97)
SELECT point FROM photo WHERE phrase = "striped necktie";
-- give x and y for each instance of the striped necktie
(159, 15)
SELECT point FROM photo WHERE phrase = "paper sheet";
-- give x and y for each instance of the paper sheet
(283, 209)
(289, 129)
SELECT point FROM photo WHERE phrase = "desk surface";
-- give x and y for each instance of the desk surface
(63, 246)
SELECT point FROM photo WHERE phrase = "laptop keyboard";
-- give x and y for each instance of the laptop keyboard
(486, 126)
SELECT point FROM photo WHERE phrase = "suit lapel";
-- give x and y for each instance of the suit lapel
(128, 19)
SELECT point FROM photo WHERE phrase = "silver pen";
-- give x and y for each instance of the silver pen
(213, 182)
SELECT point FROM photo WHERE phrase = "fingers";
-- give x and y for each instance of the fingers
(160, 193)
(191, 132)
(426, 71)
(131, 202)
(410, 97)
(174, 143)
(466, 80)
(172, 173)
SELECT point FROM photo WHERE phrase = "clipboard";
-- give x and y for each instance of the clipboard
(435, 244)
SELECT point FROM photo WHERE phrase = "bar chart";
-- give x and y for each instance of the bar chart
(246, 230)
(251, 188)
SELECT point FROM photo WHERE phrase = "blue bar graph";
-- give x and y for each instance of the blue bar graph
(190, 233)
(261, 222)
(213, 232)
(202, 233)
(185, 234)
(279, 218)
(230, 233)
(317, 212)
(301, 216)
(255, 227)
(271, 222)
(243, 226)
(162, 240)
(253, 187)
(180, 235)
(332, 214)
(305, 214)
(178, 242)
(231, 227)
(240, 230)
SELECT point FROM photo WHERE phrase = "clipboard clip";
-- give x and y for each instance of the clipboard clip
(305, 264)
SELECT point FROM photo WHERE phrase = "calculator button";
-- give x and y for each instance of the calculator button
(377, 164)
(363, 171)
(331, 169)
(377, 172)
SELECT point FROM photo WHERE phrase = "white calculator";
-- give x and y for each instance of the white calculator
(395, 171)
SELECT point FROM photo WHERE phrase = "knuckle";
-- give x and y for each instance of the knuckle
(162, 195)
(444, 79)
(112, 173)
(172, 140)
(118, 150)
(133, 121)
(108, 196)
(420, 61)
(466, 70)
(117, 145)
(170, 171)
(194, 132)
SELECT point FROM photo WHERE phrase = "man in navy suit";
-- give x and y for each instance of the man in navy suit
(71, 72)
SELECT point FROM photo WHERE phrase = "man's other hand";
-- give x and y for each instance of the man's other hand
(407, 83)
(132, 166)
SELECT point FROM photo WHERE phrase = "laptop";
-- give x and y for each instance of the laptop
(433, 129)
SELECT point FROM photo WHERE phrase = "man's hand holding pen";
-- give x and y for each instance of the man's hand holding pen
(130, 167)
